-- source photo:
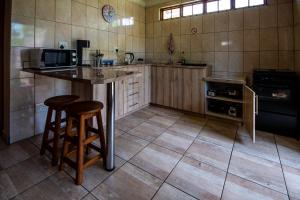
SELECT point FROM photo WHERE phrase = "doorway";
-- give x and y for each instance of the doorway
(5, 21)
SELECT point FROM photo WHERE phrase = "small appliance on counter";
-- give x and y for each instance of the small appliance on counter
(129, 58)
(278, 101)
(40, 58)
(81, 44)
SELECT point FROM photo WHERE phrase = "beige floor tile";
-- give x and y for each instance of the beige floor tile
(292, 178)
(147, 131)
(237, 188)
(168, 192)
(219, 133)
(2, 144)
(16, 153)
(165, 112)
(143, 114)
(194, 119)
(37, 140)
(258, 170)
(59, 186)
(209, 153)
(289, 156)
(128, 183)
(156, 160)
(198, 179)
(287, 141)
(127, 146)
(174, 141)
(186, 128)
(162, 121)
(23, 175)
(128, 123)
(89, 197)
(95, 174)
(263, 147)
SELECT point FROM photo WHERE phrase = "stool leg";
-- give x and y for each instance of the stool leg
(80, 152)
(66, 143)
(102, 138)
(46, 131)
(56, 138)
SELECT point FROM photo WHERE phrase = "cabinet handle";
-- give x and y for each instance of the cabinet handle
(133, 105)
(133, 94)
(256, 104)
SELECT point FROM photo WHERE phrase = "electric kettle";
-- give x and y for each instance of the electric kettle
(129, 57)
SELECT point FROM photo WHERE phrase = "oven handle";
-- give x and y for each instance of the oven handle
(256, 104)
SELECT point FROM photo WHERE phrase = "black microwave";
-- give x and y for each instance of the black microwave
(52, 58)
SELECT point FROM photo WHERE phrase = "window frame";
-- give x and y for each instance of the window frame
(204, 2)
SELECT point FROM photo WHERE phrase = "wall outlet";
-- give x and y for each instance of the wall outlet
(62, 44)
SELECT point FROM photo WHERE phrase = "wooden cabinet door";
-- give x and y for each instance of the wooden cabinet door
(167, 76)
(159, 85)
(187, 89)
(147, 85)
(249, 111)
(198, 93)
(178, 88)
(153, 84)
(119, 110)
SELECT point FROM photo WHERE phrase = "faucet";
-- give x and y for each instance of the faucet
(98, 57)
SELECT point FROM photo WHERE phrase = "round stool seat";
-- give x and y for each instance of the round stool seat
(60, 101)
(84, 107)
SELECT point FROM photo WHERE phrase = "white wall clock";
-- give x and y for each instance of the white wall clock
(108, 13)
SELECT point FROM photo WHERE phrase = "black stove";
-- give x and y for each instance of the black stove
(278, 101)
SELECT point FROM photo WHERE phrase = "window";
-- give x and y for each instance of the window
(205, 6)
(183, 10)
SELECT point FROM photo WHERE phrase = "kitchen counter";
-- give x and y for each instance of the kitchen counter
(88, 75)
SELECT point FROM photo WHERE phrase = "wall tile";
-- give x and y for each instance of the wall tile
(21, 94)
(185, 24)
(251, 40)
(196, 43)
(92, 17)
(285, 16)
(251, 61)
(44, 33)
(78, 33)
(44, 88)
(24, 8)
(268, 16)
(63, 11)
(103, 40)
(62, 33)
(149, 30)
(236, 41)
(22, 31)
(94, 3)
(296, 36)
(208, 58)
(157, 29)
(45, 9)
(268, 59)
(286, 60)
(79, 15)
(208, 42)
(21, 124)
(92, 35)
(175, 26)
(221, 21)
(208, 23)
(221, 41)
(268, 39)
(236, 20)
(221, 62)
(19, 58)
(236, 62)
(251, 18)
(286, 38)
(185, 44)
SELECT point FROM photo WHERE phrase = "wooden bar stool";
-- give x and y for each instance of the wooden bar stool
(82, 113)
(56, 104)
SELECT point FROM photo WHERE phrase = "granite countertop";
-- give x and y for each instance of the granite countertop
(89, 75)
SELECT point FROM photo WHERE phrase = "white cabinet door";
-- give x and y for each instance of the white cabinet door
(249, 111)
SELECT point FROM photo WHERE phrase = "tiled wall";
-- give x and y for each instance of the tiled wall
(43, 23)
(233, 41)
(296, 4)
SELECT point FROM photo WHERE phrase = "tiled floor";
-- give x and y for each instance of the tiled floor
(163, 155)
